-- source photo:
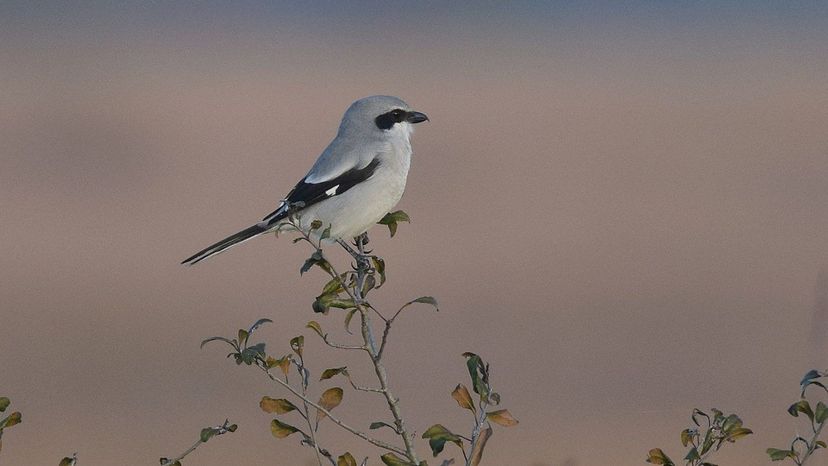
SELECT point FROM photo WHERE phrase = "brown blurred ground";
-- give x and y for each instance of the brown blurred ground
(624, 212)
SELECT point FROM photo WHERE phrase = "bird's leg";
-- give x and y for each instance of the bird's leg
(360, 254)
(348, 248)
(363, 256)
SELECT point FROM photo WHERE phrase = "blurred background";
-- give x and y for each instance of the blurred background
(622, 207)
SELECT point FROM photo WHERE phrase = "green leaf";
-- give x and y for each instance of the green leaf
(656, 456)
(811, 375)
(4, 403)
(379, 266)
(392, 219)
(276, 405)
(334, 285)
(207, 433)
(314, 325)
(478, 371)
(258, 324)
(707, 442)
(737, 433)
(330, 399)
(328, 373)
(692, 455)
(378, 424)
(502, 417)
(368, 284)
(462, 397)
(437, 436)
(390, 459)
(348, 318)
(821, 413)
(315, 225)
(250, 354)
(699, 413)
(801, 406)
(71, 461)
(281, 430)
(232, 343)
(297, 343)
(318, 260)
(730, 423)
(326, 301)
(779, 455)
(326, 233)
(243, 335)
(347, 303)
(427, 300)
(346, 460)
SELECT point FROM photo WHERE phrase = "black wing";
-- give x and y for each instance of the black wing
(306, 194)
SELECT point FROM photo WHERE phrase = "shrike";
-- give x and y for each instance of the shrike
(358, 178)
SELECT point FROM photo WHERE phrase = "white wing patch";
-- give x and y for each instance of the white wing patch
(332, 191)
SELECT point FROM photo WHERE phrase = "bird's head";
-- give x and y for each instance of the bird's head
(380, 115)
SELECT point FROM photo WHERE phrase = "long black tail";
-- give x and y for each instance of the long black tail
(233, 240)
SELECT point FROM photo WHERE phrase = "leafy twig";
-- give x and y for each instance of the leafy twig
(801, 449)
(206, 434)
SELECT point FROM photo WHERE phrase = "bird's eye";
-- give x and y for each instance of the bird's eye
(387, 120)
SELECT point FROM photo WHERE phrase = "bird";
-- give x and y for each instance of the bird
(353, 184)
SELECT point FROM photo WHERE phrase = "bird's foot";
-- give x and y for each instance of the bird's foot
(360, 254)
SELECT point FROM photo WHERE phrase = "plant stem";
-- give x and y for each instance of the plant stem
(311, 429)
(376, 356)
(479, 419)
(172, 461)
(334, 419)
(812, 444)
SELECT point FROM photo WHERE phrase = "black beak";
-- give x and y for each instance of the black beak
(416, 117)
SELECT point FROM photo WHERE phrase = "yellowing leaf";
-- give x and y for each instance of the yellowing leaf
(656, 456)
(462, 397)
(346, 460)
(280, 429)
(13, 419)
(391, 459)
(276, 405)
(328, 373)
(502, 417)
(476, 454)
(329, 400)
(314, 325)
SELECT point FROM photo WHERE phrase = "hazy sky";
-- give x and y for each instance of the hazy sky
(623, 208)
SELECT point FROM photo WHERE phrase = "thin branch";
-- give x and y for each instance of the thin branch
(311, 428)
(219, 430)
(367, 389)
(339, 346)
(479, 419)
(376, 359)
(171, 462)
(812, 445)
(334, 419)
(384, 337)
